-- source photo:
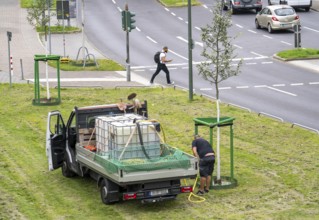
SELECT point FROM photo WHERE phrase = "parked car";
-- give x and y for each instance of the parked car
(277, 17)
(305, 4)
(237, 5)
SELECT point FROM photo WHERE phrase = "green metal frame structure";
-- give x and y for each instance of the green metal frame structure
(37, 99)
(212, 123)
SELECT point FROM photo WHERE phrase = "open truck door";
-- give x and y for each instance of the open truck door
(55, 140)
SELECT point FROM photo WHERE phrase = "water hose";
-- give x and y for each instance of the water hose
(198, 198)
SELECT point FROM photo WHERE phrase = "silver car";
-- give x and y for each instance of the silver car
(277, 17)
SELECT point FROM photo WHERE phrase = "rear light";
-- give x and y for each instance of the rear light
(274, 19)
(297, 17)
(236, 3)
(129, 196)
(259, 3)
(186, 189)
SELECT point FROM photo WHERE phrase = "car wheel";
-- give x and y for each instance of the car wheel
(232, 10)
(257, 24)
(269, 28)
(105, 188)
(66, 171)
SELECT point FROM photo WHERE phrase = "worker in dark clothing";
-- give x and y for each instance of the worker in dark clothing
(205, 153)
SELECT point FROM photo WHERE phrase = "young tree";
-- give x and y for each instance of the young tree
(219, 53)
(36, 13)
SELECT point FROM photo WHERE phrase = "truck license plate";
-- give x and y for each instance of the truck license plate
(158, 192)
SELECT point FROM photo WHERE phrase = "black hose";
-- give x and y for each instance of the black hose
(141, 139)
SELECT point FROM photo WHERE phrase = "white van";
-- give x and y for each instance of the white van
(305, 4)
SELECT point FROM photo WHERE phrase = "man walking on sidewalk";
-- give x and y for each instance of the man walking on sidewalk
(161, 65)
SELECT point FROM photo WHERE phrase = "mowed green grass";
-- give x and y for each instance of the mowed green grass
(276, 166)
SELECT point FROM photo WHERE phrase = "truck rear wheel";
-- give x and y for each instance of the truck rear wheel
(105, 192)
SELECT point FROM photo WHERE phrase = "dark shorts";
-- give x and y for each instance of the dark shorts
(206, 166)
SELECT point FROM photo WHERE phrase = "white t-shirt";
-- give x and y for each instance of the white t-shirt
(163, 54)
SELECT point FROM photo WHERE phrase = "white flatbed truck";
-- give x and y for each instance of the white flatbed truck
(69, 146)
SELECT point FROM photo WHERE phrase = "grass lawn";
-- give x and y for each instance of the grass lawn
(178, 3)
(299, 54)
(103, 65)
(276, 166)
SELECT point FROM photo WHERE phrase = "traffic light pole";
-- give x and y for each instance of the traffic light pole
(128, 65)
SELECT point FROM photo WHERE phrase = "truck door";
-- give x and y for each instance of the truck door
(55, 140)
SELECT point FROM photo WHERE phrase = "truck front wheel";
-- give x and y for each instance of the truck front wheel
(66, 171)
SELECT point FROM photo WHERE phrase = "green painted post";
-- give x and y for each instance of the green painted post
(211, 136)
(231, 154)
(58, 72)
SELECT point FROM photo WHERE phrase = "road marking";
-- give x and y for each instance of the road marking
(277, 85)
(118, 8)
(199, 43)
(182, 39)
(251, 63)
(206, 89)
(81, 79)
(257, 54)
(284, 42)
(267, 36)
(224, 88)
(138, 29)
(254, 32)
(311, 29)
(170, 50)
(205, 6)
(140, 70)
(278, 90)
(198, 28)
(242, 87)
(151, 39)
(180, 18)
(238, 46)
(314, 83)
(266, 62)
(173, 14)
(113, 1)
(166, 9)
(296, 84)
(260, 86)
(239, 26)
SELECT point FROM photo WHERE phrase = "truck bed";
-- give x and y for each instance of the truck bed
(123, 177)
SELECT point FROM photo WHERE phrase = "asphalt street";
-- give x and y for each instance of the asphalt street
(26, 43)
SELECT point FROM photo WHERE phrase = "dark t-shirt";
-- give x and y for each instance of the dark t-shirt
(203, 147)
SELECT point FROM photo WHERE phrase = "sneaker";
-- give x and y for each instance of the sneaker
(206, 190)
(200, 193)
(171, 83)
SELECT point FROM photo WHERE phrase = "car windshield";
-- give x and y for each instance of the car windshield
(284, 11)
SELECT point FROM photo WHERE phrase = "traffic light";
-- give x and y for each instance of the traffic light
(124, 19)
(130, 21)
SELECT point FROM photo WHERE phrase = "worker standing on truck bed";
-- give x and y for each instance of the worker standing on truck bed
(204, 151)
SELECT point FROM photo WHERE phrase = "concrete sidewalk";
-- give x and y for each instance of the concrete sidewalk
(26, 43)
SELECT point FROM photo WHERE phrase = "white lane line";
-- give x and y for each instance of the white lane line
(278, 90)
(311, 29)
(199, 43)
(267, 36)
(284, 42)
(242, 87)
(182, 39)
(113, 1)
(81, 79)
(198, 28)
(254, 32)
(141, 70)
(314, 83)
(180, 18)
(206, 89)
(251, 63)
(260, 86)
(173, 14)
(186, 67)
(277, 85)
(239, 26)
(296, 84)
(173, 68)
(178, 55)
(151, 39)
(266, 62)
(238, 46)
(224, 88)
(139, 30)
(205, 6)
(257, 54)
(120, 10)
